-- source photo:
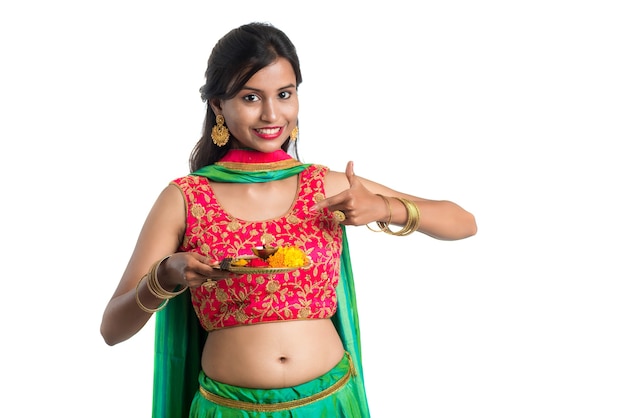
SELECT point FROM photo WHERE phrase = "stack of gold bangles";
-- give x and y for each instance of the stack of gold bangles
(412, 222)
(152, 282)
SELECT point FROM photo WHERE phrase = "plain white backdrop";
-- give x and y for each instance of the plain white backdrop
(515, 110)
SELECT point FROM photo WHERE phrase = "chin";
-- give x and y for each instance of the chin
(267, 148)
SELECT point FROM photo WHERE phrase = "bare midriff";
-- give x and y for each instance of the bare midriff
(272, 355)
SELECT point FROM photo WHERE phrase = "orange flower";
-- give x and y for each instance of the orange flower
(288, 256)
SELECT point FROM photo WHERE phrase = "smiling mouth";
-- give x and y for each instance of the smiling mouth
(268, 131)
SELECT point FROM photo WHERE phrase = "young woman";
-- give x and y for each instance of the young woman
(265, 341)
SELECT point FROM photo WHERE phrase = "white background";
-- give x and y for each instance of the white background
(515, 110)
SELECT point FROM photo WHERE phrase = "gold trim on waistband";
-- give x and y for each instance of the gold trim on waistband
(280, 406)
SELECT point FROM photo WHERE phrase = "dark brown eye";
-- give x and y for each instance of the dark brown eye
(251, 98)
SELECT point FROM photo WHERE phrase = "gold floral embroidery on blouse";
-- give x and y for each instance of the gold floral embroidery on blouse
(252, 298)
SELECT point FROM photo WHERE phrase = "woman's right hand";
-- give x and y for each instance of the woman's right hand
(189, 269)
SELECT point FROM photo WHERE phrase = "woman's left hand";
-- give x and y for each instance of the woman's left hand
(355, 205)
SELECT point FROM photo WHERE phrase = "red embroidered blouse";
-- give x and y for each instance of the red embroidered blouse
(244, 299)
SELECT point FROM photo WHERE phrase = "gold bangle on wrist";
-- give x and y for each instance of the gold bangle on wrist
(155, 286)
(141, 305)
(382, 225)
(412, 221)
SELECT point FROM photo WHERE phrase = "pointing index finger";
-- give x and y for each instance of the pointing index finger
(325, 203)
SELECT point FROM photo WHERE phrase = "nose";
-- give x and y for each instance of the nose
(269, 111)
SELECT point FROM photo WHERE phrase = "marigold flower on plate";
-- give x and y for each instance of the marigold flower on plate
(288, 256)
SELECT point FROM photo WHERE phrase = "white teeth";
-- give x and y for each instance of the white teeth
(268, 131)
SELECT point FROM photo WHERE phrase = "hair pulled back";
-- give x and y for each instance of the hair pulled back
(235, 58)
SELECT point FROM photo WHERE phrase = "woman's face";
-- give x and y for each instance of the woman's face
(263, 114)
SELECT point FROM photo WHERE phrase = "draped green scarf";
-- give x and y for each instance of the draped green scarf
(179, 338)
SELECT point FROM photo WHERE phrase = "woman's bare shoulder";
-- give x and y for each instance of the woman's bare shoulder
(335, 182)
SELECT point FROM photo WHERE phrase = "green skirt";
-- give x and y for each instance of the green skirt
(334, 394)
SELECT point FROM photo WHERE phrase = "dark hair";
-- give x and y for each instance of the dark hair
(234, 60)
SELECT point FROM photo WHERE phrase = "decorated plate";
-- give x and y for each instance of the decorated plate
(246, 269)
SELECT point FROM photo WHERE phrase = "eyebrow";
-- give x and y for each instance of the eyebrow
(280, 88)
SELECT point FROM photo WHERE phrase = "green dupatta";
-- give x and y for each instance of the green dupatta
(179, 338)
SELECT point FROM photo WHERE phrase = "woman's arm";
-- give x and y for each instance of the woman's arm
(358, 198)
(159, 237)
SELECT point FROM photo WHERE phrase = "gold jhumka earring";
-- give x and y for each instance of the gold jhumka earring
(219, 133)
(294, 134)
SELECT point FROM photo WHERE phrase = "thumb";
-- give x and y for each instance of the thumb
(350, 173)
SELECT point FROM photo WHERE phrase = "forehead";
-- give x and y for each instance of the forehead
(277, 75)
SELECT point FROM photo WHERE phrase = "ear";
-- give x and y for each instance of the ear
(216, 106)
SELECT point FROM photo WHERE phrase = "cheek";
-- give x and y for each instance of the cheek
(235, 117)
(293, 111)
